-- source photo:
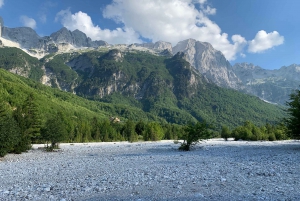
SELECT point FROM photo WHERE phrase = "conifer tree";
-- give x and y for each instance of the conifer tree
(9, 131)
(293, 122)
(129, 131)
(32, 118)
(54, 131)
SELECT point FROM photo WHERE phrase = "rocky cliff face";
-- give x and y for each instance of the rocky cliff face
(209, 62)
(270, 85)
(159, 46)
(1, 25)
(28, 39)
(25, 36)
(76, 38)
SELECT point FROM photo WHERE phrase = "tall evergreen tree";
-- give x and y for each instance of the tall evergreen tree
(32, 118)
(9, 131)
(128, 131)
(54, 131)
(293, 122)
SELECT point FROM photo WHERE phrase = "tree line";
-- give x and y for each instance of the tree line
(22, 126)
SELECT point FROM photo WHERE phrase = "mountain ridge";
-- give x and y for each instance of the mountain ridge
(164, 87)
(202, 56)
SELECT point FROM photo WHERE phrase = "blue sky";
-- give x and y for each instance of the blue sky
(262, 32)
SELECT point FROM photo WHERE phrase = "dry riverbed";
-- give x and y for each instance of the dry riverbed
(213, 170)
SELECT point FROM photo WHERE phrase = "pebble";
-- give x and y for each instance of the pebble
(105, 171)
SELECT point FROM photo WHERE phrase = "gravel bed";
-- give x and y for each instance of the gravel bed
(213, 170)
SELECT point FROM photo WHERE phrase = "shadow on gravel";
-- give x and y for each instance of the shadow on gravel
(247, 152)
(197, 197)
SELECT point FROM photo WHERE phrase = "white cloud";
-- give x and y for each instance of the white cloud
(45, 9)
(173, 21)
(83, 22)
(202, 1)
(264, 41)
(166, 20)
(1, 3)
(28, 22)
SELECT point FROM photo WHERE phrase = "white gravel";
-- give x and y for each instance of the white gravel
(214, 170)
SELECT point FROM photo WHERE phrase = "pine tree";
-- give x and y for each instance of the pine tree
(54, 131)
(9, 131)
(129, 131)
(293, 122)
(32, 118)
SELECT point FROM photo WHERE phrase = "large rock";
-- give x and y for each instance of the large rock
(209, 62)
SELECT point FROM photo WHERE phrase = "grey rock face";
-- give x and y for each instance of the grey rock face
(270, 85)
(209, 62)
(25, 36)
(76, 38)
(1, 25)
(98, 43)
(80, 39)
(159, 45)
(62, 36)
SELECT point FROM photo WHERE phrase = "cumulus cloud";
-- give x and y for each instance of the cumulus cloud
(83, 22)
(28, 22)
(173, 21)
(264, 41)
(1, 3)
(166, 20)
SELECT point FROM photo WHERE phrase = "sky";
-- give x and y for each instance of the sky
(262, 32)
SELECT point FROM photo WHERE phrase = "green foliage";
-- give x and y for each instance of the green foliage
(128, 131)
(14, 58)
(9, 131)
(54, 131)
(63, 72)
(225, 133)
(171, 90)
(293, 121)
(153, 132)
(249, 131)
(193, 133)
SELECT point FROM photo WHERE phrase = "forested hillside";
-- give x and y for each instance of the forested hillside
(136, 85)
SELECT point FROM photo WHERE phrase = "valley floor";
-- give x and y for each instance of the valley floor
(214, 170)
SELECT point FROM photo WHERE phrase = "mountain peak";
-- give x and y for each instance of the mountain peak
(209, 62)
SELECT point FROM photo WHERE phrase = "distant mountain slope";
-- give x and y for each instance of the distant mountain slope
(209, 62)
(147, 86)
(15, 89)
(271, 85)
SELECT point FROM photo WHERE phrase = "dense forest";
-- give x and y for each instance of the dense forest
(154, 98)
(33, 113)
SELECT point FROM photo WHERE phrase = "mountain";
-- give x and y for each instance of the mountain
(209, 62)
(15, 89)
(62, 40)
(76, 38)
(148, 85)
(270, 85)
